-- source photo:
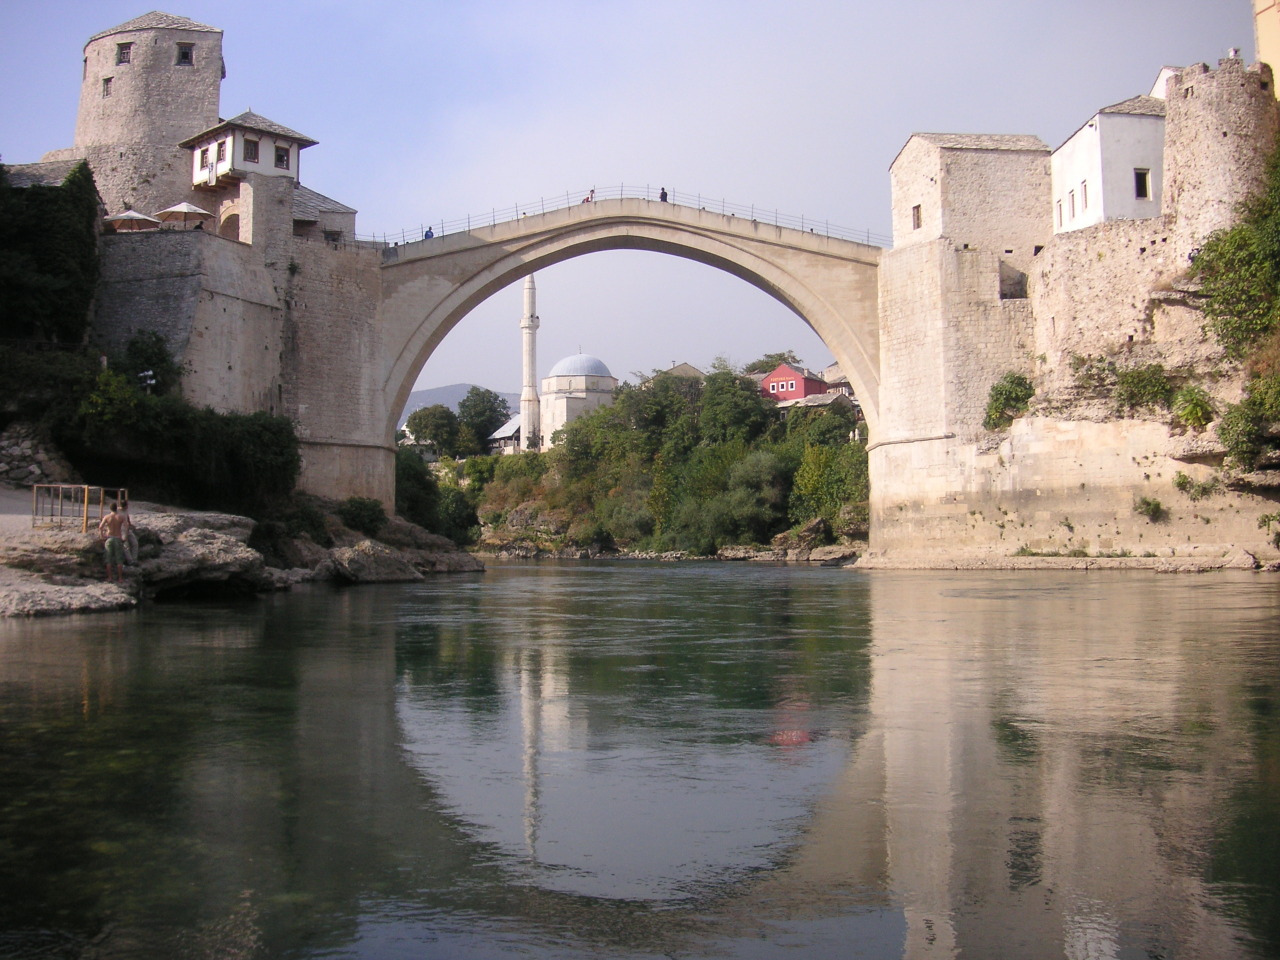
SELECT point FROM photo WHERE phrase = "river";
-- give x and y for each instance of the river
(636, 760)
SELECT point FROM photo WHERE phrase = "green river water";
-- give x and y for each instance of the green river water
(572, 760)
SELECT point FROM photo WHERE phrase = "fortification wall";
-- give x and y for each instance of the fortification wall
(945, 336)
(332, 336)
(1071, 476)
(212, 301)
(1220, 126)
(1055, 486)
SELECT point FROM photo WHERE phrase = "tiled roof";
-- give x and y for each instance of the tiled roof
(984, 141)
(40, 174)
(252, 121)
(155, 20)
(1140, 106)
(308, 205)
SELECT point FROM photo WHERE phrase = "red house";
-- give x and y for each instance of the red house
(791, 383)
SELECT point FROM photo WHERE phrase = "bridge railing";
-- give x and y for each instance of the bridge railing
(719, 205)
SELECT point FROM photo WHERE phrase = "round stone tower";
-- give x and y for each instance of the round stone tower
(148, 85)
(1220, 126)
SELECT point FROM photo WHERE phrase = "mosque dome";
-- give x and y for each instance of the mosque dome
(580, 365)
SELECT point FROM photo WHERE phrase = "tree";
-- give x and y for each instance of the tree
(480, 413)
(733, 409)
(436, 425)
(48, 257)
(770, 361)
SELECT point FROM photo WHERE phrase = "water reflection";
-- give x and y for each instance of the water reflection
(634, 760)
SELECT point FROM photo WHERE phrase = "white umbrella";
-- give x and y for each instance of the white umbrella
(132, 220)
(183, 213)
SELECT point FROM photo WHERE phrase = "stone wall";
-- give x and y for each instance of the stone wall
(27, 458)
(1220, 127)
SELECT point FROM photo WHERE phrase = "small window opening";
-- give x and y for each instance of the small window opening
(124, 52)
(282, 158)
(251, 151)
(1008, 251)
(1142, 184)
(204, 156)
(1059, 208)
(186, 55)
(1035, 251)
(916, 217)
(1071, 203)
(222, 150)
(106, 86)
(1084, 195)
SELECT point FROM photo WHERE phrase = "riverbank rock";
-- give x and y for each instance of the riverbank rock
(372, 562)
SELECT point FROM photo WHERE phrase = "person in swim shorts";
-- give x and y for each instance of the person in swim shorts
(112, 528)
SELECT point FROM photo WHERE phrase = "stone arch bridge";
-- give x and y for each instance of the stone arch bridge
(427, 287)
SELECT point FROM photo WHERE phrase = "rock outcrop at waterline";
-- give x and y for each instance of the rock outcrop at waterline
(50, 571)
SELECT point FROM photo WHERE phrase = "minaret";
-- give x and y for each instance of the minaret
(530, 427)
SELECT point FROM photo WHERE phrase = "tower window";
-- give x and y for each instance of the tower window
(106, 86)
(1084, 195)
(222, 150)
(124, 52)
(186, 55)
(1071, 203)
(1142, 184)
(251, 151)
(916, 217)
(204, 156)
(1059, 207)
(282, 158)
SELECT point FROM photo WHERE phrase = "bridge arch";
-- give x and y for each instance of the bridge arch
(430, 286)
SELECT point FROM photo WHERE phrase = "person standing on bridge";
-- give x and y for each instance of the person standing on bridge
(428, 233)
(662, 194)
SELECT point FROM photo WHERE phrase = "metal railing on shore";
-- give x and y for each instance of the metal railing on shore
(496, 215)
(59, 504)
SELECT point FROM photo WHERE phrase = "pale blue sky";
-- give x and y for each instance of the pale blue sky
(430, 110)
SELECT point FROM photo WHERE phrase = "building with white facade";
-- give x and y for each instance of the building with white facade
(1112, 168)
(576, 385)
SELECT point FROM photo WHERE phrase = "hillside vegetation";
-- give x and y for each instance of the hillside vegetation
(678, 464)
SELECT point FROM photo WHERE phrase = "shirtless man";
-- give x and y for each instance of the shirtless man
(112, 528)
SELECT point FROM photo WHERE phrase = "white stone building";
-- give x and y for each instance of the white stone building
(1112, 168)
(576, 385)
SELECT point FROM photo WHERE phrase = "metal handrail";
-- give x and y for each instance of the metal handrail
(570, 198)
(53, 504)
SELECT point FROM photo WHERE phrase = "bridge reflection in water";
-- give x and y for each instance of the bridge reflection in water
(635, 760)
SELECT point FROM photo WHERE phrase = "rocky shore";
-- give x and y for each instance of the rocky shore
(57, 570)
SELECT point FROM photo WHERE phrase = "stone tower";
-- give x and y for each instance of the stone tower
(1220, 126)
(530, 427)
(148, 85)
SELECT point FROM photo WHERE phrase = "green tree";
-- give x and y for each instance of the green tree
(480, 413)
(733, 409)
(48, 257)
(436, 425)
(770, 361)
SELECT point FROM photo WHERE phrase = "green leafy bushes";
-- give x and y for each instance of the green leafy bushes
(1139, 387)
(1009, 398)
(1243, 428)
(1192, 407)
(363, 514)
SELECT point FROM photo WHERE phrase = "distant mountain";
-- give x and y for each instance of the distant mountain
(450, 396)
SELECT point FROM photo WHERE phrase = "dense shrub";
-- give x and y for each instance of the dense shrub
(1243, 427)
(1193, 407)
(1239, 270)
(1009, 398)
(48, 258)
(363, 514)
(1139, 387)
